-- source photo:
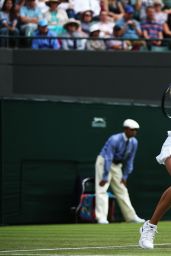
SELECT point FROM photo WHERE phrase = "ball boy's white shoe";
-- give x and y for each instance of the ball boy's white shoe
(147, 232)
(103, 222)
(138, 220)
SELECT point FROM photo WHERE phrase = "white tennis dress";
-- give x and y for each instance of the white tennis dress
(165, 150)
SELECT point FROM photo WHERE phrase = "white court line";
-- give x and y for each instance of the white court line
(79, 248)
(30, 254)
(73, 248)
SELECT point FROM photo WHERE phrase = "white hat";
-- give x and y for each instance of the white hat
(130, 123)
(94, 27)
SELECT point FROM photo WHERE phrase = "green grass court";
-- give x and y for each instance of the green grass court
(81, 239)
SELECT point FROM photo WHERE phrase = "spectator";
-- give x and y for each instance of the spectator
(131, 28)
(8, 22)
(152, 29)
(115, 43)
(44, 40)
(72, 34)
(29, 16)
(141, 6)
(68, 6)
(55, 16)
(167, 30)
(106, 24)
(41, 4)
(159, 14)
(83, 5)
(115, 6)
(86, 21)
(94, 43)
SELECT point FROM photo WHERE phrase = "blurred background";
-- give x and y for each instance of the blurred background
(56, 111)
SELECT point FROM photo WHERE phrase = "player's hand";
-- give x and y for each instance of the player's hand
(102, 182)
(124, 182)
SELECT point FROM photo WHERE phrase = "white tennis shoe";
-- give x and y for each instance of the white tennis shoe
(147, 232)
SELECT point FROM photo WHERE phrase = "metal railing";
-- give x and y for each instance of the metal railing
(20, 42)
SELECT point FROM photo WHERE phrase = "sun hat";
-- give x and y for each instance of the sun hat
(48, 2)
(72, 21)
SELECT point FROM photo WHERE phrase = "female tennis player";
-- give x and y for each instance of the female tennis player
(149, 229)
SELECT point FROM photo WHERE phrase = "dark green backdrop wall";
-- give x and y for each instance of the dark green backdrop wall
(46, 145)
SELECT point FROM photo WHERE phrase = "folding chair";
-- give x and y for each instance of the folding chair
(85, 211)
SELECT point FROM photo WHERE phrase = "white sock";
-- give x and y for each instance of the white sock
(152, 225)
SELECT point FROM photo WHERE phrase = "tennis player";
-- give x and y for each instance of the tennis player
(149, 229)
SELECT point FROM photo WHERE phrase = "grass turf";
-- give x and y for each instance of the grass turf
(81, 239)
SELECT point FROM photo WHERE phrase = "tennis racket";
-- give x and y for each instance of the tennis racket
(166, 102)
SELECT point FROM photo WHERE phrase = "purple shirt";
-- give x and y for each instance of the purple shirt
(114, 149)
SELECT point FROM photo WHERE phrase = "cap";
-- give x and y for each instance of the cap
(129, 9)
(94, 27)
(42, 23)
(130, 123)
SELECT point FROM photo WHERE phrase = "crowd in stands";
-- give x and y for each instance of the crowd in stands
(85, 24)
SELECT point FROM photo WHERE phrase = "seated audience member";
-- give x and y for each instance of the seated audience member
(44, 40)
(30, 14)
(86, 21)
(105, 24)
(83, 5)
(140, 7)
(167, 28)
(8, 24)
(159, 15)
(41, 4)
(115, 43)
(55, 16)
(131, 28)
(115, 6)
(152, 29)
(68, 6)
(94, 43)
(73, 32)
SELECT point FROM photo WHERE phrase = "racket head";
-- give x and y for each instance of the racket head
(166, 102)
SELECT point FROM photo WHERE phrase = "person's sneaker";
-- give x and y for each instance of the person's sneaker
(147, 232)
(137, 220)
(103, 221)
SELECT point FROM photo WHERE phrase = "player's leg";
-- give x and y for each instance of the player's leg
(102, 200)
(149, 228)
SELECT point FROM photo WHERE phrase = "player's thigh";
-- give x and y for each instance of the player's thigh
(168, 164)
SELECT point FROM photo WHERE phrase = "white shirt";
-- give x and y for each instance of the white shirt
(83, 5)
